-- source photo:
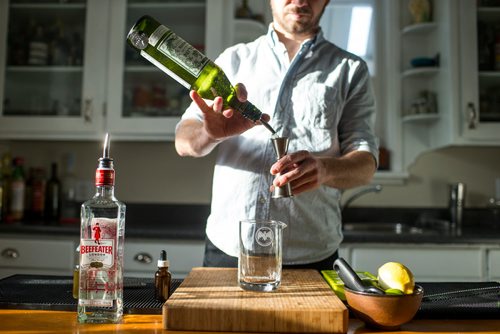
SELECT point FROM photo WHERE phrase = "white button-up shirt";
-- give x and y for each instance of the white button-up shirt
(322, 100)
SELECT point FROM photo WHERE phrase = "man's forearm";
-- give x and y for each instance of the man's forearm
(351, 170)
(191, 139)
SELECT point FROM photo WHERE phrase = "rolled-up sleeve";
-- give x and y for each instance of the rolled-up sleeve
(356, 126)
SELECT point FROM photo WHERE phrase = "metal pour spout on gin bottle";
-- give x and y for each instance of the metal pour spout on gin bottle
(105, 160)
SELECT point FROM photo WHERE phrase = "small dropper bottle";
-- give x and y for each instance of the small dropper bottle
(163, 277)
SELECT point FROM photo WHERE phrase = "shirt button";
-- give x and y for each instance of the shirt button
(262, 200)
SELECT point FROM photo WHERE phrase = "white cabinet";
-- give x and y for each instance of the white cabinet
(466, 35)
(422, 97)
(31, 254)
(494, 265)
(144, 101)
(429, 262)
(141, 256)
(105, 87)
(47, 256)
(479, 115)
(52, 81)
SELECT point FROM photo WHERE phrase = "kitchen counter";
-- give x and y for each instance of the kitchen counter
(181, 222)
(187, 222)
(28, 321)
(197, 232)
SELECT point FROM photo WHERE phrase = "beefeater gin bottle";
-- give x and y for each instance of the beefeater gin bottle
(100, 293)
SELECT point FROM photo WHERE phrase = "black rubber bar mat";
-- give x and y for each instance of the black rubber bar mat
(460, 300)
(443, 300)
(44, 292)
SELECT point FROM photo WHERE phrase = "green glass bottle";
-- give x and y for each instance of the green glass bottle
(188, 66)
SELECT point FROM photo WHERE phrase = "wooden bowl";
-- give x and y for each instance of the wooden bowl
(386, 312)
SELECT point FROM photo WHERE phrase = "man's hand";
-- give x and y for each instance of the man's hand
(306, 171)
(303, 170)
(219, 124)
(197, 139)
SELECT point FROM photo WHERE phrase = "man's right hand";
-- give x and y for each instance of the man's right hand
(218, 123)
(196, 139)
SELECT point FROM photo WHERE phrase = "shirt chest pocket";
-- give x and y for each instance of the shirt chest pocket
(316, 106)
(316, 109)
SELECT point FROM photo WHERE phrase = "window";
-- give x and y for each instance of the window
(350, 25)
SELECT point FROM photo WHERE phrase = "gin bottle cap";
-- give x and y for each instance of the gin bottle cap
(105, 173)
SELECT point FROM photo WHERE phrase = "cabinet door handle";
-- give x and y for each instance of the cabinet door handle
(143, 258)
(472, 115)
(88, 110)
(10, 253)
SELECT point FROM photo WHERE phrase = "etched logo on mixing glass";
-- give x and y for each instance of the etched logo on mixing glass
(264, 236)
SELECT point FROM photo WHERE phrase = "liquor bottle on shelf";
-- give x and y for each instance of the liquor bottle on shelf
(53, 196)
(188, 66)
(100, 293)
(38, 48)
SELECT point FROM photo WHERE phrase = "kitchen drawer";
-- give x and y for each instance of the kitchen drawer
(37, 254)
(428, 263)
(494, 265)
(141, 257)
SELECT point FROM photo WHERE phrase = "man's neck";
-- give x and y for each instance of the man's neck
(292, 42)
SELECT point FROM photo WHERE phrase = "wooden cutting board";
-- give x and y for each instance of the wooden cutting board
(210, 299)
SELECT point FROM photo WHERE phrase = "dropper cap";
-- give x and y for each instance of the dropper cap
(162, 261)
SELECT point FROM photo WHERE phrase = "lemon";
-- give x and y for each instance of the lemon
(394, 275)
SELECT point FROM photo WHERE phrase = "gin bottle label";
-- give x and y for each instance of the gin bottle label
(97, 260)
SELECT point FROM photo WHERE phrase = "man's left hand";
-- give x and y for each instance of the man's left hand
(302, 169)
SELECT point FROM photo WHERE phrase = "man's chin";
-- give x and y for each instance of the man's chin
(302, 29)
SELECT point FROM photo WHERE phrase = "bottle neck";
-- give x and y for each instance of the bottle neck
(107, 191)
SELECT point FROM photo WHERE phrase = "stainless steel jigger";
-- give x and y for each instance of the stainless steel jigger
(281, 147)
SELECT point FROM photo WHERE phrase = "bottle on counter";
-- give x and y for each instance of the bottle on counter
(163, 278)
(53, 196)
(5, 175)
(76, 274)
(188, 66)
(17, 191)
(69, 207)
(35, 194)
(2, 192)
(100, 293)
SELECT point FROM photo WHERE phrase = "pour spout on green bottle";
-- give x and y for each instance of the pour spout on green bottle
(248, 110)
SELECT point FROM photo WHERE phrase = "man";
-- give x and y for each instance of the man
(316, 94)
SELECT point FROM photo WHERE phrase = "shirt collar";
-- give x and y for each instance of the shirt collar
(274, 41)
